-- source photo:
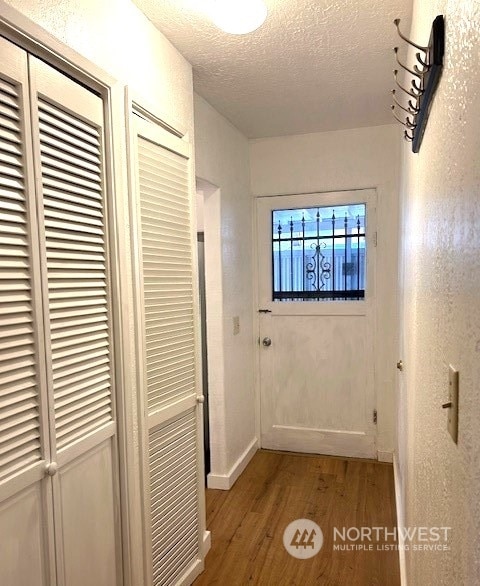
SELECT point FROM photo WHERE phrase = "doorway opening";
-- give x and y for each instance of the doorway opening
(211, 314)
(203, 325)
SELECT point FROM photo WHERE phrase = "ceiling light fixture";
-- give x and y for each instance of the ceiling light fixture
(238, 17)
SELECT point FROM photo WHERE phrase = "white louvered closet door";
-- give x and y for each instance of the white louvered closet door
(67, 125)
(26, 545)
(172, 426)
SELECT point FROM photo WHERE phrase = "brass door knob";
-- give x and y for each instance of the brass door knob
(400, 365)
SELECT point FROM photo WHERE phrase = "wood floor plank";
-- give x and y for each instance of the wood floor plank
(248, 522)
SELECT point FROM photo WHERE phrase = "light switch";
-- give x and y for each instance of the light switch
(236, 325)
(452, 405)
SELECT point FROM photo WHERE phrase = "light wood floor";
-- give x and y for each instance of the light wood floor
(247, 522)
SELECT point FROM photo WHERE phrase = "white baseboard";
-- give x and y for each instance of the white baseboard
(400, 523)
(207, 542)
(226, 481)
(385, 456)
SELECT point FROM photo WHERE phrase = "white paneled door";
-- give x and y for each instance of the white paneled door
(168, 339)
(59, 516)
(317, 302)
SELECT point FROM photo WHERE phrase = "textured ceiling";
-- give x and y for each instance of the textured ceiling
(315, 65)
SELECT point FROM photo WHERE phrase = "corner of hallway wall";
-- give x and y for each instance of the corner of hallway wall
(346, 160)
(118, 37)
(221, 158)
(441, 317)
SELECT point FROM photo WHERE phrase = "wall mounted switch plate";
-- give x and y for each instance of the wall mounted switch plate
(453, 381)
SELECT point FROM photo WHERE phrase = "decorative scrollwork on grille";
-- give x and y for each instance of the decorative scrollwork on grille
(318, 269)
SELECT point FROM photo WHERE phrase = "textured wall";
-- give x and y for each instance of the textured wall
(222, 159)
(348, 159)
(441, 298)
(117, 37)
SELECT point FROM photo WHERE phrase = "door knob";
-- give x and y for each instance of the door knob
(51, 469)
(400, 365)
(267, 342)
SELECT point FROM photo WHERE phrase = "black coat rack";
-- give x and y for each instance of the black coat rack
(425, 76)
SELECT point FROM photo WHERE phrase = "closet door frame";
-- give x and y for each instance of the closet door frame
(172, 136)
(23, 32)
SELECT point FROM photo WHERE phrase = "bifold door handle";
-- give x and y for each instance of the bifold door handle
(267, 342)
(200, 399)
(400, 365)
(51, 468)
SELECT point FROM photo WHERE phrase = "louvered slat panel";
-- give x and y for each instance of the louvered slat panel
(19, 403)
(174, 498)
(71, 166)
(167, 272)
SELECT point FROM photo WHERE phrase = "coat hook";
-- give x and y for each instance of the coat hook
(396, 22)
(415, 108)
(407, 123)
(416, 87)
(411, 94)
(416, 72)
(420, 80)
(397, 103)
(421, 72)
(422, 62)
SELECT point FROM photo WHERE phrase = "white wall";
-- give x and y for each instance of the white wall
(343, 160)
(221, 157)
(441, 289)
(117, 37)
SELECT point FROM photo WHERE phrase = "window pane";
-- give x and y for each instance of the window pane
(319, 254)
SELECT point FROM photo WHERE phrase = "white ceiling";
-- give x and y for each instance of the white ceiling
(315, 65)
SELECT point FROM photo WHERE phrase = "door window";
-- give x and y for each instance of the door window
(319, 254)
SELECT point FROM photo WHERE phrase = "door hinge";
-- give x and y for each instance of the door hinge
(375, 416)
(375, 238)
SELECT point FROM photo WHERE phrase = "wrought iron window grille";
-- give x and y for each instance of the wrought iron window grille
(319, 256)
